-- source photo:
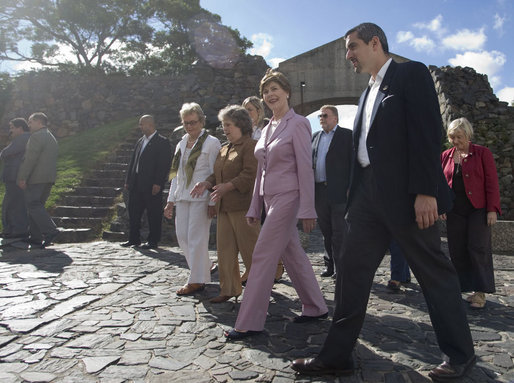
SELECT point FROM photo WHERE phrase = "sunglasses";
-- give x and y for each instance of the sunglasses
(324, 115)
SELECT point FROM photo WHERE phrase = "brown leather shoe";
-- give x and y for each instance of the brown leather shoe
(190, 288)
(222, 298)
(313, 366)
(446, 371)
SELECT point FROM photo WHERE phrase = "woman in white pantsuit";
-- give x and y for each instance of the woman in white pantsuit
(193, 162)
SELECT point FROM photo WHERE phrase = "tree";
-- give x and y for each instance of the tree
(141, 36)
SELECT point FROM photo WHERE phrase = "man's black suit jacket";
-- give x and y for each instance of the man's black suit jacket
(154, 164)
(337, 163)
(404, 142)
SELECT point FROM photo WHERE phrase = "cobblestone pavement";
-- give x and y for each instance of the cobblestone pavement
(97, 312)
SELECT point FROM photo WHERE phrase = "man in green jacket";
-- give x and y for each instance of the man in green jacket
(36, 177)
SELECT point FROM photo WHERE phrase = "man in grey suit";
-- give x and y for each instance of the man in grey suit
(14, 211)
(36, 177)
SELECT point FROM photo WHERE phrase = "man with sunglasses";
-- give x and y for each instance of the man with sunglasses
(331, 160)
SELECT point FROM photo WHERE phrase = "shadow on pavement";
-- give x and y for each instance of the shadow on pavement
(48, 260)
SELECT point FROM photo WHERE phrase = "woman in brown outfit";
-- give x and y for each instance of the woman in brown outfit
(232, 185)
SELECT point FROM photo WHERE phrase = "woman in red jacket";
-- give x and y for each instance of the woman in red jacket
(471, 173)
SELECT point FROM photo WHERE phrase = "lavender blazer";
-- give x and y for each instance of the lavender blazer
(285, 164)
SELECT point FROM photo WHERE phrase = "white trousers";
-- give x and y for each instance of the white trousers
(192, 226)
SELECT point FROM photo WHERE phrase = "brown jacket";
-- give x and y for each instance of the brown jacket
(236, 163)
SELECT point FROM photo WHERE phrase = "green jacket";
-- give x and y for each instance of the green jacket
(40, 162)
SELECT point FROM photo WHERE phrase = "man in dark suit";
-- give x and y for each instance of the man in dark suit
(331, 160)
(146, 175)
(396, 190)
(14, 210)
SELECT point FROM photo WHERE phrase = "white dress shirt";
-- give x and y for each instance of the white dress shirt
(374, 84)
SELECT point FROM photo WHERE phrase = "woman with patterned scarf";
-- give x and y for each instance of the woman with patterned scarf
(193, 162)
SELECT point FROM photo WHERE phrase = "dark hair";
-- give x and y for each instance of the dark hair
(40, 117)
(20, 123)
(239, 116)
(366, 31)
(275, 76)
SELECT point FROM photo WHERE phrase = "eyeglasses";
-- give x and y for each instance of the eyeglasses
(324, 115)
(190, 123)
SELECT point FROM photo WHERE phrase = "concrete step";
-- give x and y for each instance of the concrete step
(115, 166)
(105, 191)
(114, 236)
(108, 173)
(79, 222)
(82, 211)
(81, 200)
(106, 182)
(75, 235)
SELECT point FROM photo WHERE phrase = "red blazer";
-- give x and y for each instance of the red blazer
(479, 174)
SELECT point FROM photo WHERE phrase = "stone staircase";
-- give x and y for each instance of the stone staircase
(82, 214)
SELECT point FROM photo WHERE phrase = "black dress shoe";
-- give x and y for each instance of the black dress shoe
(306, 318)
(238, 335)
(315, 366)
(149, 245)
(447, 371)
(130, 243)
(327, 273)
(49, 238)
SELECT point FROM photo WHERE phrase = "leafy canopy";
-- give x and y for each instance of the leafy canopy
(129, 36)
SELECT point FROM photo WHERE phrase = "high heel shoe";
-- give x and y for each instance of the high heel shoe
(222, 298)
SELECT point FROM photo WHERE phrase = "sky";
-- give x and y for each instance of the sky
(474, 33)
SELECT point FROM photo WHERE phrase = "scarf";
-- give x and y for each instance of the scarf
(191, 162)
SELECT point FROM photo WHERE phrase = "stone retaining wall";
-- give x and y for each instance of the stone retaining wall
(75, 103)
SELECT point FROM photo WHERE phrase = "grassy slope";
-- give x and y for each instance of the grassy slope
(81, 152)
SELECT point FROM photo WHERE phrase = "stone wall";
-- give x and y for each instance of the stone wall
(75, 103)
(465, 93)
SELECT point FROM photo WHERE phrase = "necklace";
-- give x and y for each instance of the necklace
(460, 156)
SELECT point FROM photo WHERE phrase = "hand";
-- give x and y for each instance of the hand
(126, 186)
(220, 190)
(156, 189)
(308, 224)
(252, 221)
(425, 207)
(168, 210)
(442, 217)
(211, 212)
(200, 188)
(491, 218)
(22, 184)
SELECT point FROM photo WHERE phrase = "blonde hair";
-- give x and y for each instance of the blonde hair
(192, 107)
(460, 124)
(257, 104)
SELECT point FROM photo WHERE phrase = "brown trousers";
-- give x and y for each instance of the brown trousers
(234, 236)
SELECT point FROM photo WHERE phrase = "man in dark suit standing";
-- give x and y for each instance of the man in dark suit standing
(331, 160)
(146, 175)
(14, 210)
(397, 190)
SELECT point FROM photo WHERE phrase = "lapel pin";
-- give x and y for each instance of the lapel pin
(385, 87)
